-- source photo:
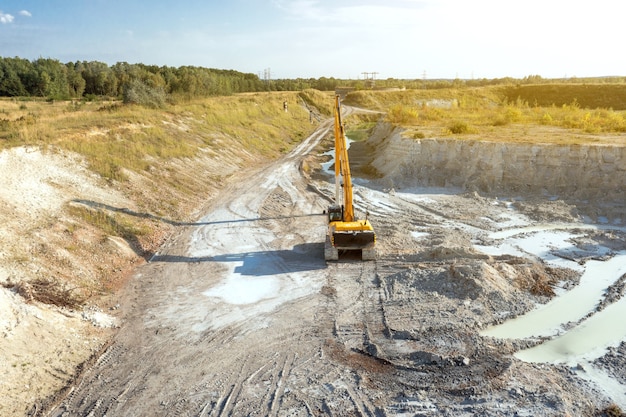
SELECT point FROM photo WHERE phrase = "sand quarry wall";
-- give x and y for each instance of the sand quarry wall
(584, 172)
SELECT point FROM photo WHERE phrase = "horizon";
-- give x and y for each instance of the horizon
(290, 39)
(572, 78)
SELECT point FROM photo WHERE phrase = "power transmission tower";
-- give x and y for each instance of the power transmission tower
(370, 78)
(267, 77)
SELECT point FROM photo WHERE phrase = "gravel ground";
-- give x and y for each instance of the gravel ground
(239, 314)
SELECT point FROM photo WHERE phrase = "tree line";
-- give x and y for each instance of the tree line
(45, 77)
(52, 79)
(153, 85)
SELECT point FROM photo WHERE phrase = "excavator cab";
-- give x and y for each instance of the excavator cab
(335, 214)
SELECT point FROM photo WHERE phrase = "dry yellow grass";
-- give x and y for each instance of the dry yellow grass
(483, 114)
(115, 137)
(148, 153)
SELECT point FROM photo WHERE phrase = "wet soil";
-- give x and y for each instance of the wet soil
(239, 314)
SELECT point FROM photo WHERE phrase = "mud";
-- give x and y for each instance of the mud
(239, 314)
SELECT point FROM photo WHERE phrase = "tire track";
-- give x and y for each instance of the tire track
(353, 309)
(90, 400)
(225, 403)
(361, 403)
(183, 353)
(280, 384)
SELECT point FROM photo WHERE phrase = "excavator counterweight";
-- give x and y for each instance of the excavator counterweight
(345, 232)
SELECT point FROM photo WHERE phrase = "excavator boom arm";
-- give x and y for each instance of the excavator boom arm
(342, 167)
(345, 232)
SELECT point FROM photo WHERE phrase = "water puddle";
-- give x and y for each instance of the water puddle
(578, 334)
(507, 233)
(327, 165)
(419, 235)
(550, 243)
(586, 342)
(238, 290)
(571, 306)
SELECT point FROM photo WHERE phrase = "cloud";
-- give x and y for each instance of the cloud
(6, 18)
(25, 13)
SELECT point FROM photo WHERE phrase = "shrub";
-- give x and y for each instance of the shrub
(138, 92)
(431, 113)
(611, 411)
(47, 291)
(459, 128)
(403, 115)
(513, 114)
(510, 114)
(546, 119)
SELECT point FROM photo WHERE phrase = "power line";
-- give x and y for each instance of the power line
(370, 78)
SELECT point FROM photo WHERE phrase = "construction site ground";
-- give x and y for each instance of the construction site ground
(239, 314)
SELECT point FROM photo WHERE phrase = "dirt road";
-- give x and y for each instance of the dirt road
(239, 314)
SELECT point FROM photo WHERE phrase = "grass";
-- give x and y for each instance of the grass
(149, 155)
(319, 100)
(359, 126)
(490, 113)
(115, 138)
(110, 224)
(591, 96)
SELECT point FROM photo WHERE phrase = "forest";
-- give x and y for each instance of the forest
(49, 78)
(155, 85)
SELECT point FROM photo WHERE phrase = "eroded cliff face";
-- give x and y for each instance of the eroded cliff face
(587, 174)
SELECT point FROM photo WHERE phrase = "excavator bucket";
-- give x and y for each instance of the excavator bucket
(350, 237)
(354, 239)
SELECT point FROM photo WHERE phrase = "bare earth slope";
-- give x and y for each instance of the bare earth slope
(240, 315)
(40, 345)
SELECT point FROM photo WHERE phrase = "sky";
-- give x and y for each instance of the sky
(346, 39)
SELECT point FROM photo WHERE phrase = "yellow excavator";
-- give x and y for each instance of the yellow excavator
(345, 232)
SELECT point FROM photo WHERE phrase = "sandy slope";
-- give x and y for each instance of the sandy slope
(41, 345)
